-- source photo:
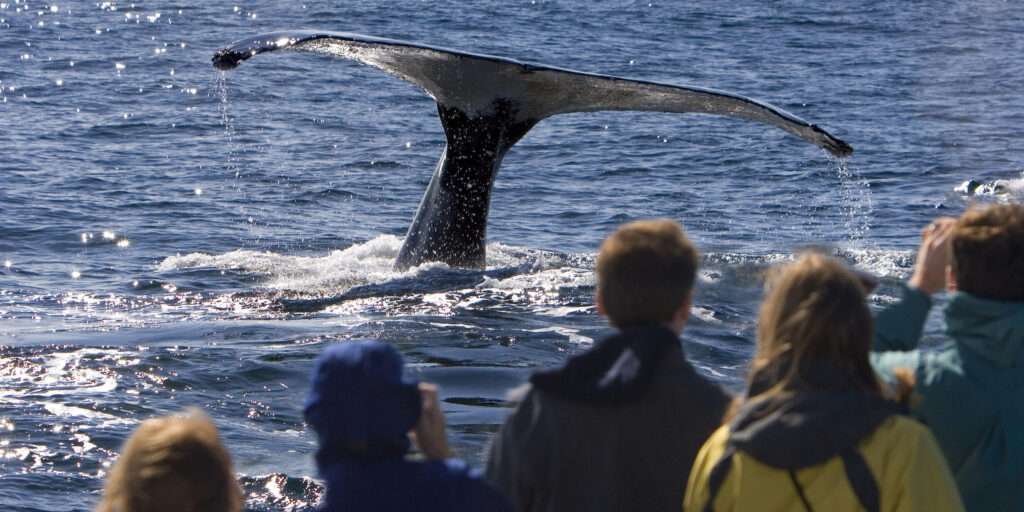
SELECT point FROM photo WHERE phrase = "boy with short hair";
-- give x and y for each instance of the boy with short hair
(971, 391)
(617, 428)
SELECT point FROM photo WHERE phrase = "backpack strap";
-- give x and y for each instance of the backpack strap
(861, 480)
(717, 477)
(800, 491)
(857, 473)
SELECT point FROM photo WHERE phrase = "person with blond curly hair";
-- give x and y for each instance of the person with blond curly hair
(173, 464)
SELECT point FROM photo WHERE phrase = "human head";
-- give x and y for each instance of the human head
(988, 252)
(173, 464)
(360, 405)
(814, 316)
(645, 274)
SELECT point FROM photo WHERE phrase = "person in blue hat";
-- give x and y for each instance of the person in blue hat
(364, 412)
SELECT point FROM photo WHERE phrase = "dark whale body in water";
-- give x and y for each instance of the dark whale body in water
(486, 105)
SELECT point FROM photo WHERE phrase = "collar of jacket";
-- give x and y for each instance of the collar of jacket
(617, 370)
(991, 328)
(799, 429)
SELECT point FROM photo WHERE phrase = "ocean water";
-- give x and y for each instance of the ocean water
(155, 213)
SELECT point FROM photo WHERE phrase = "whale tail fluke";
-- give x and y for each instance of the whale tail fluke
(472, 83)
(487, 104)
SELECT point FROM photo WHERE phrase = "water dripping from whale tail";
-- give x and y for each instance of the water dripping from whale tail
(486, 105)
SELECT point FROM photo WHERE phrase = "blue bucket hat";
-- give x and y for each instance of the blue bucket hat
(360, 405)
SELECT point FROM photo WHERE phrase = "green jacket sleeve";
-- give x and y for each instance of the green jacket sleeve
(899, 327)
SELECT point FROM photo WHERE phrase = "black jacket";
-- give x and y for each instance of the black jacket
(562, 450)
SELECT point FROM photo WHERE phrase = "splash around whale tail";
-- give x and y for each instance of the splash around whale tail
(486, 104)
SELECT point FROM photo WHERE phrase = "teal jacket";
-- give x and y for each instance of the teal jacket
(970, 392)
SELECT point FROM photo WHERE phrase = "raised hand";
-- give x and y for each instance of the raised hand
(933, 257)
(430, 432)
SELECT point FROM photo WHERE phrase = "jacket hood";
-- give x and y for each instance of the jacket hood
(993, 329)
(360, 405)
(799, 429)
(617, 370)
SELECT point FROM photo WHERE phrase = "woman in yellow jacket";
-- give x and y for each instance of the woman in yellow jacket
(814, 431)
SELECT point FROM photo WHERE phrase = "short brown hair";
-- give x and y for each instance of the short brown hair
(175, 463)
(645, 272)
(988, 252)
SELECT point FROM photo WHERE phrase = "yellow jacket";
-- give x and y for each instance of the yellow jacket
(902, 454)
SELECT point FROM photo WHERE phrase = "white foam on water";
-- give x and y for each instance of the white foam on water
(889, 263)
(72, 374)
(66, 411)
(369, 262)
(893, 264)
(705, 314)
(372, 262)
(573, 334)
(546, 281)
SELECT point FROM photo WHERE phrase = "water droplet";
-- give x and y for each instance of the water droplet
(124, 243)
(109, 235)
(54, 8)
(408, 145)
(59, 82)
(198, 191)
(119, 66)
(75, 274)
(8, 263)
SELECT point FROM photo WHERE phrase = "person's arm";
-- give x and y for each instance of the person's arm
(899, 327)
(430, 432)
(508, 466)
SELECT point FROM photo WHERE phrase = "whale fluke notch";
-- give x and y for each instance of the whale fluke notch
(486, 104)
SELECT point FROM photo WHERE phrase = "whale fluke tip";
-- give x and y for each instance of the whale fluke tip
(227, 59)
(830, 143)
(840, 149)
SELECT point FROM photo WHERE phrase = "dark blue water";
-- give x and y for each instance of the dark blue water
(154, 212)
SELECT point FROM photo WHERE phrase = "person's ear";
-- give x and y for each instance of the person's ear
(599, 299)
(950, 279)
(683, 313)
(684, 310)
